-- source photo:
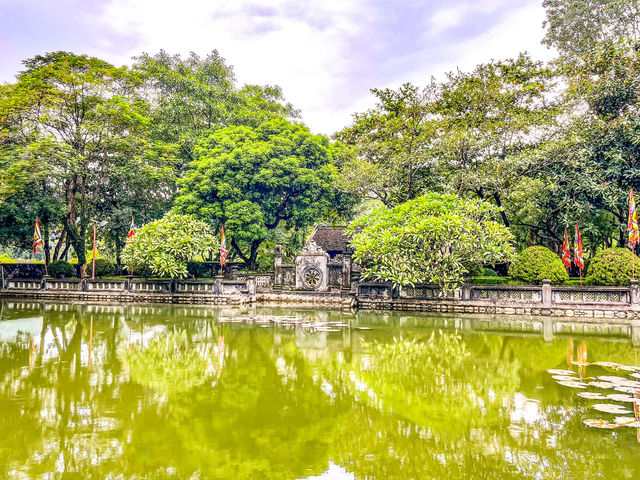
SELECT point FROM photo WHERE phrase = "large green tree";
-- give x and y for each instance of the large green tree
(254, 179)
(429, 240)
(82, 125)
(389, 154)
(587, 171)
(193, 95)
(575, 27)
(491, 116)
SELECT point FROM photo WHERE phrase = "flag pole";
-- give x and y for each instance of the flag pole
(93, 261)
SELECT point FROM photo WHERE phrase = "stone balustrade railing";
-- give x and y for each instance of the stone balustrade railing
(134, 286)
(541, 295)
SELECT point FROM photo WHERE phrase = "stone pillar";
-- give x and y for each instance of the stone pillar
(634, 291)
(278, 279)
(346, 271)
(546, 293)
(635, 333)
(547, 329)
(43, 282)
(466, 291)
(252, 287)
(127, 283)
(217, 288)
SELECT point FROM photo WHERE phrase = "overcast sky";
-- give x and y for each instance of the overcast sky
(325, 54)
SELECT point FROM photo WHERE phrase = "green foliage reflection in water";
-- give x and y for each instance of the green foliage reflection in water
(169, 364)
(432, 382)
(285, 404)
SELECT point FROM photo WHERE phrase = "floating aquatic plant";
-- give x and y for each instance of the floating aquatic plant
(611, 408)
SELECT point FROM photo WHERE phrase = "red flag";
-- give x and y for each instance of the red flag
(577, 243)
(566, 251)
(223, 248)
(37, 237)
(634, 238)
(132, 231)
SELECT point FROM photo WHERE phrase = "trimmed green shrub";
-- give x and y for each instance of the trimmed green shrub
(61, 269)
(535, 264)
(489, 280)
(611, 266)
(474, 269)
(202, 269)
(489, 273)
(572, 282)
(105, 268)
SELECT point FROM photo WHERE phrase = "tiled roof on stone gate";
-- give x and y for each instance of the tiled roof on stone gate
(330, 239)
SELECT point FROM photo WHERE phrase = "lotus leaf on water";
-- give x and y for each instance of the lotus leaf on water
(592, 395)
(559, 371)
(630, 368)
(608, 364)
(619, 397)
(573, 384)
(625, 389)
(618, 380)
(564, 378)
(604, 385)
(599, 423)
(624, 420)
(611, 408)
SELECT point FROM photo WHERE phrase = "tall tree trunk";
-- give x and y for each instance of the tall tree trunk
(61, 240)
(505, 220)
(77, 240)
(119, 246)
(45, 232)
(253, 257)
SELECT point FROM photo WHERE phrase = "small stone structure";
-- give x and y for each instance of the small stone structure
(312, 272)
(324, 264)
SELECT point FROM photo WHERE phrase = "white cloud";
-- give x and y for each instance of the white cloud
(304, 51)
(519, 31)
(325, 54)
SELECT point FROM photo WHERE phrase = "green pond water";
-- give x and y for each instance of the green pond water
(124, 392)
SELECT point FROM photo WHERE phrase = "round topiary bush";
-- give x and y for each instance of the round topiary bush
(611, 266)
(535, 264)
(105, 268)
(61, 269)
(488, 272)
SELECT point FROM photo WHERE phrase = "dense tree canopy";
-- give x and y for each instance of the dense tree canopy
(391, 156)
(81, 124)
(429, 240)
(254, 179)
(549, 145)
(193, 96)
(167, 245)
(575, 27)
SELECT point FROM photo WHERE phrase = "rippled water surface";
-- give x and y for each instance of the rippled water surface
(197, 393)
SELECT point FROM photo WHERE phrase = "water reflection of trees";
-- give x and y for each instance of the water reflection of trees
(287, 403)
